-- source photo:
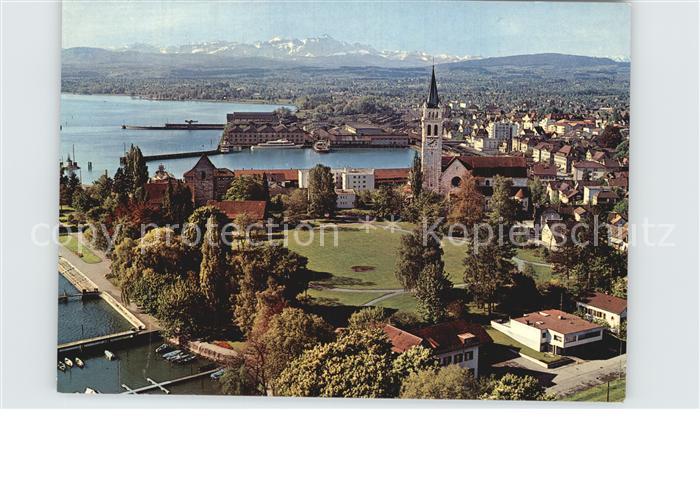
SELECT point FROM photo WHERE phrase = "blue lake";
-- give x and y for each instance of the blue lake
(91, 124)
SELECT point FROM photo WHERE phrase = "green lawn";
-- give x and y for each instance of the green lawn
(532, 254)
(600, 392)
(331, 297)
(374, 251)
(402, 302)
(504, 340)
(71, 243)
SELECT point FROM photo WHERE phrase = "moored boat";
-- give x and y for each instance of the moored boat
(109, 355)
(79, 362)
(277, 144)
(322, 146)
(217, 374)
(61, 366)
(90, 391)
(162, 348)
(68, 362)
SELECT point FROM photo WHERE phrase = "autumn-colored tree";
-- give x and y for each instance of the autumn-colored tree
(466, 206)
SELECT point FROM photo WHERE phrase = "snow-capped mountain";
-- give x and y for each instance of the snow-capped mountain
(307, 49)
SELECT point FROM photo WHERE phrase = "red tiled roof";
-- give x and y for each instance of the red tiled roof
(556, 320)
(203, 161)
(400, 340)
(155, 191)
(605, 302)
(255, 209)
(272, 174)
(452, 335)
(391, 173)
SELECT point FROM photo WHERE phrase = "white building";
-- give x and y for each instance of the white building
(345, 199)
(551, 331)
(502, 130)
(344, 178)
(451, 342)
(603, 307)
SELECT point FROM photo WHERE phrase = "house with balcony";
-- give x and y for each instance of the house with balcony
(551, 331)
(604, 308)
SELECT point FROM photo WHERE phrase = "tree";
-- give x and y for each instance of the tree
(446, 383)
(619, 287)
(322, 197)
(246, 187)
(432, 289)
(196, 226)
(417, 250)
(373, 315)
(413, 360)
(428, 207)
(237, 380)
(290, 333)
(212, 269)
(387, 202)
(135, 169)
(177, 203)
(622, 207)
(297, 205)
(622, 151)
(611, 137)
(488, 271)
(512, 387)
(503, 208)
(538, 194)
(467, 203)
(243, 222)
(357, 365)
(180, 308)
(416, 178)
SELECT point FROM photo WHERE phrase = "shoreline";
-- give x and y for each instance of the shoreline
(221, 101)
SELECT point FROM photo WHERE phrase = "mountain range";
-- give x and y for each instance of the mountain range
(221, 58)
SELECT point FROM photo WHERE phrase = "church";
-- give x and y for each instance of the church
(442, 173)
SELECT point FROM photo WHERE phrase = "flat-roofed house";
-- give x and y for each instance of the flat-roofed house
(552, 331)
(610, 309)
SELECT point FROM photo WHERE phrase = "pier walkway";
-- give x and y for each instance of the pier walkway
(163, 386)
(94, 342)
(84, 285)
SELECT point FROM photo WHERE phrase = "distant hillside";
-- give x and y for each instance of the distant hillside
(540, 60)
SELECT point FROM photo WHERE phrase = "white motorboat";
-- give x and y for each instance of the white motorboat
(68, 362)
(109, 355)
(79, 363)
(61, 366)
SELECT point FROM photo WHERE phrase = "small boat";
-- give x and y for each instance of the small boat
(90, 391)
(79, 363)
(172, 354)
(277, 144)
(109, 355)
(162, 348)
(61, 366)
(217, 374)
(322, 146)
(68, 362)
(186, 359)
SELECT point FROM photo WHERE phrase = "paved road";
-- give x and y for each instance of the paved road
(565, 380)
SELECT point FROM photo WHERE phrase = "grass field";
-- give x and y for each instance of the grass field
(331, 297)
(374, 251)
(600, 392)
(85, 254)
(504, 340)
(401, 302)
(532, 254)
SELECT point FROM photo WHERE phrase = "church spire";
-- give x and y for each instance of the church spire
(433, 98)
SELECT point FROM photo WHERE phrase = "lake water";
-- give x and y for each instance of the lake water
(92, 123)
(83, 319)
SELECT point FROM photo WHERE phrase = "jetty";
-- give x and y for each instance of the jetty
(85, 286)
(178, 126)
(175, 155)
(164, 385)
(95, 343)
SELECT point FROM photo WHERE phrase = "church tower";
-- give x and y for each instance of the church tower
(431, 139)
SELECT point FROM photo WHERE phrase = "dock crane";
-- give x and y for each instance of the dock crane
(189, 122)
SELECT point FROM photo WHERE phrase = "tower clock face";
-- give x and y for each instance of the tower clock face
(431, 143)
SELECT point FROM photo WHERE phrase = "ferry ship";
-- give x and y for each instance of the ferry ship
(322, 146)
(277, 144)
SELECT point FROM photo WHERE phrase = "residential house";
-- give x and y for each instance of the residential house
(452, 342)
(603, 307)
(588, 170)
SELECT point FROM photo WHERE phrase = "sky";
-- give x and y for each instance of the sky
(456, 28)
